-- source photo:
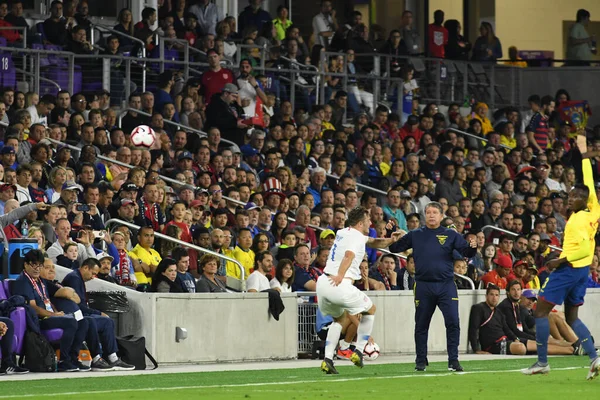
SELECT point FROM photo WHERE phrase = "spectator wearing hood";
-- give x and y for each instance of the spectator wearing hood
(480, 113)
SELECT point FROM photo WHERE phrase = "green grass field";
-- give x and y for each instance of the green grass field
(481, 380)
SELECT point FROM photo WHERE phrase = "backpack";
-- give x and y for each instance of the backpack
(39, 354)
(133, 351)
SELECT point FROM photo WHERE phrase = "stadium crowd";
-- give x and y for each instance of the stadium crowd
(269, 185)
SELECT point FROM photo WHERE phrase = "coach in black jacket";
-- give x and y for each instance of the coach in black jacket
(224, 113)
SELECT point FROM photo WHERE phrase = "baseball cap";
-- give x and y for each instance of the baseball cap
(71, 185)
(326, 233)
(529, 294)
(202, 191)
(126, 202)
(231, 88)
(544, 236)
(104, 255)
(518, 203)
(503, 261)
(195, 203)
(7, 150)
(128, 187)
(251, 206)
(235, 149)
(404, 194)
(7, 186)
(250, 151)
(412, 120)
(184, 155)
(521, 262)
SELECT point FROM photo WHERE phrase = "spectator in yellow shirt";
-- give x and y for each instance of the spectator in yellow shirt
(515, 60)
(243, 253)
(480, 113)
(144, 258)
(507, 134)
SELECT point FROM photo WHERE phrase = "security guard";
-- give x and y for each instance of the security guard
(433, 247)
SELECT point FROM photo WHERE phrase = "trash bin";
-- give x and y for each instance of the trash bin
(17, 248)
(113, 304)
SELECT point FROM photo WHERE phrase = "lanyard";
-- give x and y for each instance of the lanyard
(42, 293)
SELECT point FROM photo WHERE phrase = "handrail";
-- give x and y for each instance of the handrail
(471, 283)
(372, 189)
(41, 78)
(475, 137)
(17, 28)
(166, 121)
(515, 234)
(186, 244)
(133, 38)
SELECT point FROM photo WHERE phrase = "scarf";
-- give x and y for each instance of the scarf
(150, 213)
(386, 281)
(123, 269)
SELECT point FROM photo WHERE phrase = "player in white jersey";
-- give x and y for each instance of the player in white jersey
(336, 293)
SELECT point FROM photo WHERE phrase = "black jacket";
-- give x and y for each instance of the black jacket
(486, 327)
(513, 316)
(221, 115)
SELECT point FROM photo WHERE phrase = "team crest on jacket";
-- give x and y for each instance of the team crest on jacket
(441, 239)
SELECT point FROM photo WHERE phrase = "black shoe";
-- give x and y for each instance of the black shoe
(101, 365)
(67, 366)
(121, 365)
(455, 366)
(12, 370)
(82, 367)
(420, 367)
(578, 349)
(357, 358)
(328, 368)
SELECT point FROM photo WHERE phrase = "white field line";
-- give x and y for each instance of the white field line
(261, 384)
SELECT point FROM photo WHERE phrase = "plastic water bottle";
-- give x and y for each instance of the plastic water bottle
(593, 44)
(503, 346)
(24, 228)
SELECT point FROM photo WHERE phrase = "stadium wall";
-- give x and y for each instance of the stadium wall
(237, 327)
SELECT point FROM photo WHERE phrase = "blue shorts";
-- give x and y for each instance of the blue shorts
(566, 284)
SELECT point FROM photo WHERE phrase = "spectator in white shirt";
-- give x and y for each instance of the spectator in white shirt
(23, 181)
(208, 15)
(39, 112)
(284, 276)
(258, 281)
(325, 24)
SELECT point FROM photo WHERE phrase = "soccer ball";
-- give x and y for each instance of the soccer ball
(371, 352)
(143, 136)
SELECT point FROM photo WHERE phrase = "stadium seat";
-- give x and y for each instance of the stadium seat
(40, 30)
(18, 317)
(53, 335)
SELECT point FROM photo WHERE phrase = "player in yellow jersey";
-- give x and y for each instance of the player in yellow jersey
(568, 280)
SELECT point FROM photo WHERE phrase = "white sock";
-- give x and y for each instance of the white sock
(112, 358)
(364, 331)
(333, 334)
(344, 345)
(96, 358)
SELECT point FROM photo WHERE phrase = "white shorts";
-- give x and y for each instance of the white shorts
(333, 300)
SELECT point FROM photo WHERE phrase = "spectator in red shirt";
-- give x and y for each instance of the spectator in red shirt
(10, 35)
(411, 128)
(215, 78)
(438, 36)
(498, 275)
(178, 213)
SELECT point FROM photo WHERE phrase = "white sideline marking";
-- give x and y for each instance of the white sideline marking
(238, 385)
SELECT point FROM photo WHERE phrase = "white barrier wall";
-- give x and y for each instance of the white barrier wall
(236, 327)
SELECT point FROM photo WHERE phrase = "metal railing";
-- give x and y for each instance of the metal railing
(463, 133)
(185, 244)
(132, 38)
(466, 278)
(17, 28)
(495, 228)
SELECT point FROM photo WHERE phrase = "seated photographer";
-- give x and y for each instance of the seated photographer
(63, 233)
(38, 293)
(102, 328)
